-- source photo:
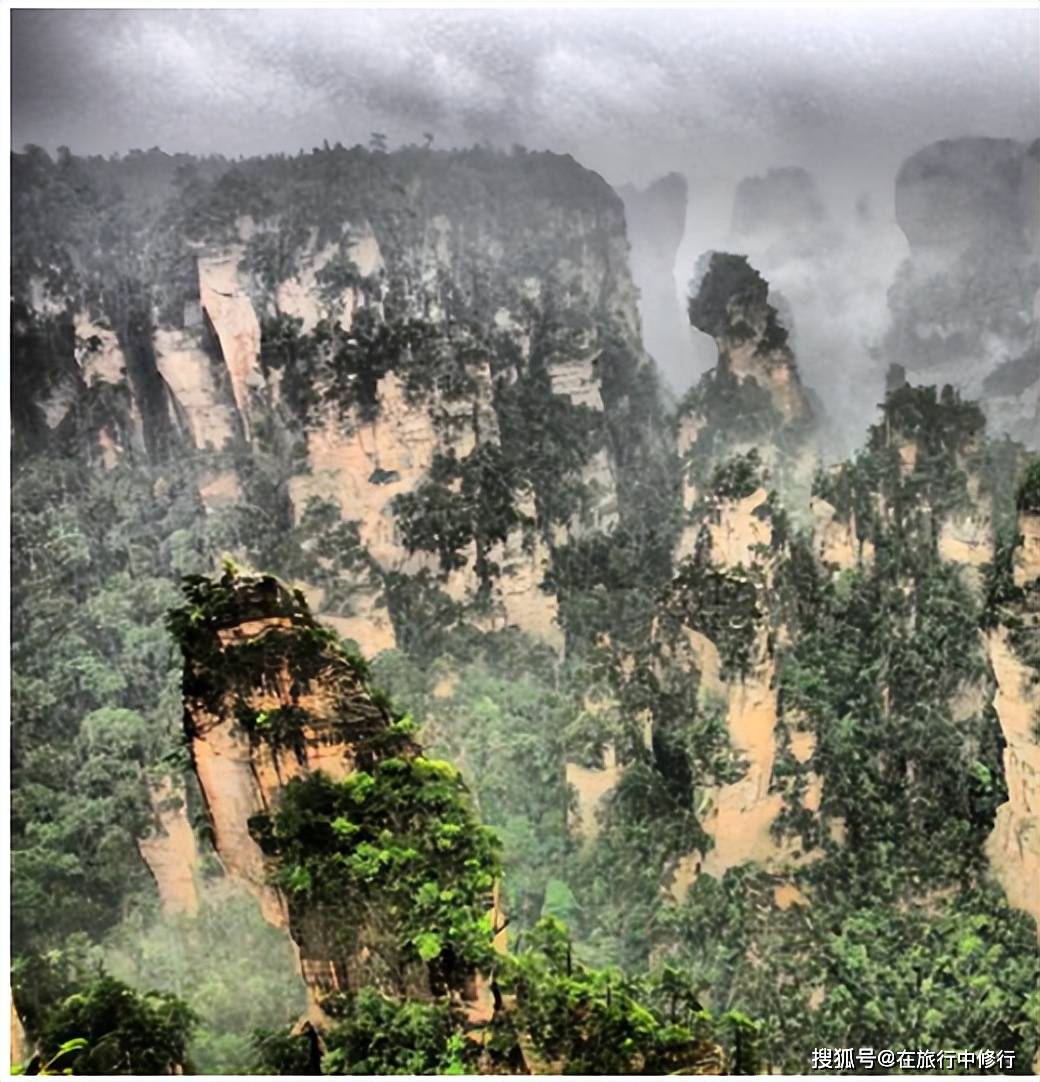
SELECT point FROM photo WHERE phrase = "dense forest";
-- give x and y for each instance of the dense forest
(682, 749)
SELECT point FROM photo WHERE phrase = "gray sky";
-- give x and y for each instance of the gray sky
(630, 93)
(717, 95)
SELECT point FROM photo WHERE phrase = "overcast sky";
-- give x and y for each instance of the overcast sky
(630, 93)
(714, 94)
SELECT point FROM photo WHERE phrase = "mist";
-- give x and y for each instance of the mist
(714, 96)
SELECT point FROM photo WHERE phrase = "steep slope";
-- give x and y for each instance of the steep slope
(276, 711)
(805, 739)
(754, 399)
(710, 699)
(1013, 646)
(404, 382)
(402, 332)
(324, 804)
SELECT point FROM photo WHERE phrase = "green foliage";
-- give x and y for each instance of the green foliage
(503, 717)
(900, 937)
(222, 677)
(738, 411)
(738, 476)
(583, 1021)
(399, 844)
(934, 421)
(95, 697)
(956, 972)
(875, 676)
(280, 1051)
(423, 614)
(374, 1034)
(945, 434)
(1028, 496)
(123, 1032)
(722, 604)
(472, 500)
(605, 582)
(333, 558)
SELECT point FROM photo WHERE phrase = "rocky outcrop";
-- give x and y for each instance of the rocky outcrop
(170, 851)
(746, 429)
(1026, 566)
(959, 192)
(836, 544)
(241, 773)
(731, 649)
(19, 1045)
(731, 304)
(591, 786)
(271, 697)
(828, 272)
(1014, 844)
(226, 304)
(1013, 847)
(737, 817)
(753, 401)
(198, 386)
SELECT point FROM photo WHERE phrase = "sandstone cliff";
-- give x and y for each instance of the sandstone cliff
(1013, 847)
(754, 400)
(376, 344)
(271, 698)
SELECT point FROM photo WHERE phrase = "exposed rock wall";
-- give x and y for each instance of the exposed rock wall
(242, 775)
(170, 851)
(227, 306)
(591, 786)
(19, 1047)
(754, 397)
(268, 699)
(835, 541)
(195, 383)
(1013, 847)
(738, 816)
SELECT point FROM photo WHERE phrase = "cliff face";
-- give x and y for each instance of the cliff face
(1014, 846)
(413, 386)
(411, 322)
(964, 304)
(713, 646)
(753, 400)
(272, 703)
(721, 623)
(170, 851)
(266, 701)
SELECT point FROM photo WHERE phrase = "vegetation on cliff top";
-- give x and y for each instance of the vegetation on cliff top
(390, 876)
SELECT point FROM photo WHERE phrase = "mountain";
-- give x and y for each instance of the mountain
(745, 724)
(964, 304)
